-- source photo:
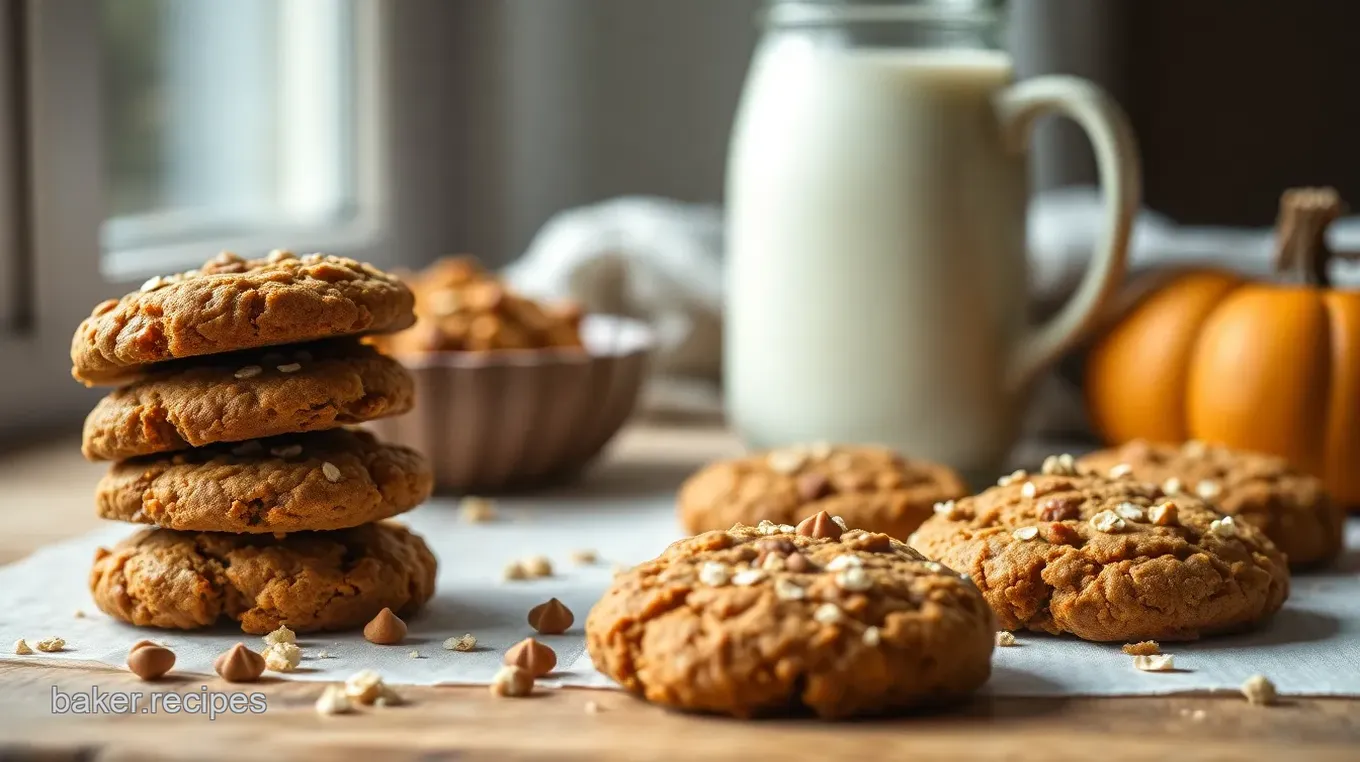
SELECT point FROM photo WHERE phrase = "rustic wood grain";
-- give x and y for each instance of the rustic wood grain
(49, 489)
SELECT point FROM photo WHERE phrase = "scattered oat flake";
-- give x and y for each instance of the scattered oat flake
(290, 451)
(838, 521)
(1259, 690)
(1028, 490)
(249, 371)
(1025, 533)
(871, 636)
(827, 613)
(1005, 639)
(51, 645)
(21, 648)
(748, 577)
(476, 510)
(854, 579)
(465, 643)
(1154, 663)
(714, 574)
(291, 367)
(330, 471)
(843, 562)
(1145, 648)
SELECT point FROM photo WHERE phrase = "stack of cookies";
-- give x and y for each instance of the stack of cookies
(236, 384)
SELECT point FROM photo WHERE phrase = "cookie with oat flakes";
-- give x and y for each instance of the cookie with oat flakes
(232, 303)
(871, 488)
(309, 581)
(302, 482)
(248, 395)
(756, 621)
(1293, 509)
(1108, 559)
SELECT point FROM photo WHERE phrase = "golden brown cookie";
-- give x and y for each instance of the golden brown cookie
(1107, 559)
(247, 395)
(231, 304)
(300, 482)
(1291, 508)
(871, 488)
(757, 621)
(309, 581)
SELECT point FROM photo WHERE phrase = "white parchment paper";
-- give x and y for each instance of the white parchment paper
(1311, 648)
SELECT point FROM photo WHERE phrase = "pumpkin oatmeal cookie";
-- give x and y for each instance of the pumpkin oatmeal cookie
(1292, 509)
(460, 307)
(323, 480)
(232, 303)
(872, 488)
(308, 581)
(758, 621)
(247, 395)
(1107, 559)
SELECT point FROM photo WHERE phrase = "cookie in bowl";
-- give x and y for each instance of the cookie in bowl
(759, 621)
(872, 488)
(511, 393)
(1293, 509)
(1107, 559)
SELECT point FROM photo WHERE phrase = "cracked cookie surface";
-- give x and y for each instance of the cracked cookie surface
(247, 395)
(231, 304)
(1293, 509)
(323, 480)
(855, 625)
(1106, 559)
(872, 488)
(308, 581)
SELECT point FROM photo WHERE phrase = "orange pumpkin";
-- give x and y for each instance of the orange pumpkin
(1262, 366)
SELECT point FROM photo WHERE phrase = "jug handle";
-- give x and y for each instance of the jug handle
(1116, 152)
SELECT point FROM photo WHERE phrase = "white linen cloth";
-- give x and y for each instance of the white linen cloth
(661, 261)
(1311, 648)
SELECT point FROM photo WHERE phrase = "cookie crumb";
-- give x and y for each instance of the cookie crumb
(282, 657)
(1259, 690)
(465, 643)
(1005, 639)
(476, 510)
(365, 686)
(1145, 648)
(512, 681)
(51, 645)
(333, 701)
(80, 614)
(1155, 663)
(414, 654)
(584, 557)
(1129, 511)
(21, 648)
(324, 655)
(537, 566)
(281, 635)
(592, 708)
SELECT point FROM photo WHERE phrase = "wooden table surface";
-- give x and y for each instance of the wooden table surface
(45, 492)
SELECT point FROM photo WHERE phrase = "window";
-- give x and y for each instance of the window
(226, 125)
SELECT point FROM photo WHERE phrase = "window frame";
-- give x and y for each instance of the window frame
(51, 243)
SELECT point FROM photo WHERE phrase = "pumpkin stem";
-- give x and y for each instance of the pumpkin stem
(1301, 232)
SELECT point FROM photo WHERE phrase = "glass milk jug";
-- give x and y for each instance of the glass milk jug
(876, 192)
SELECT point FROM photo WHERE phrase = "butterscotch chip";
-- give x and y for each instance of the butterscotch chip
(551, 617)
(819, 525)
(512, 681)
(215, 489)
(1259, 690)
(870, 488)
(311, 580)
(150, 662)
(385, 629)
(239, 665)
(514, 571)
(645, 631)
(476, 510)
(1292, 509)
(1104, 577)
(267, 303)
(532, 656)
(1145, 648)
